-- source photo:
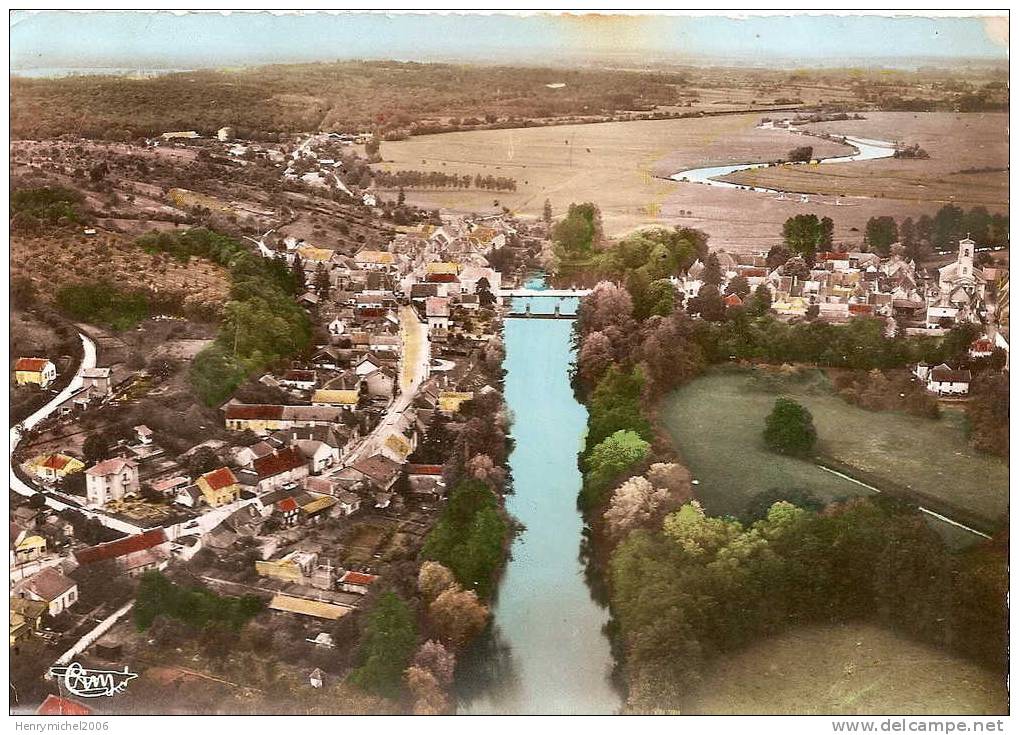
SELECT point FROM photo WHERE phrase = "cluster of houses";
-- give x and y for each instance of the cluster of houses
(842, 285)
(334, 448)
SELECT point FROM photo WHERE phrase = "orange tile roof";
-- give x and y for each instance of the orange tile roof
(31, 364)
(221, 478)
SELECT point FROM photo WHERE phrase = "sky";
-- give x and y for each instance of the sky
(187, 40)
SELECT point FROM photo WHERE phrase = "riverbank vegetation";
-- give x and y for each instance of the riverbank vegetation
(701, 587)
(686, 587)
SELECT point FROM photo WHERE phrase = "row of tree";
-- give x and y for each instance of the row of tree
(439, 180)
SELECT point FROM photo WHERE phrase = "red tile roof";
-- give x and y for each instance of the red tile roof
(286, 505)
(441, 278)
(221, 478)
(56, 461)
(121, 547)
(31, 364)
(861, 308)
(278, 462)
(254, 411)
(54, 705)
(358, 578)
(424, 469)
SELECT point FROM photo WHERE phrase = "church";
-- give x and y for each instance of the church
(960, 288)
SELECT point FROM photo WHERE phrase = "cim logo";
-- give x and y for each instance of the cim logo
(92, 682)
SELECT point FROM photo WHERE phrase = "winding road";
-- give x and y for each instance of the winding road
(18, 431)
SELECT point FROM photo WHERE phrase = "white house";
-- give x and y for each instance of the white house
(111, 479)
(437, 312)
(943, 380)
(51, 587)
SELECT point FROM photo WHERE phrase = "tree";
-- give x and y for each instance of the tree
(594, 357)
(827, 237)
(322, 283)
(608, 460)
(801, 154)
(789, 429)
(758, 506)
(739, 286)
(457, 616)
(881, 232)
(297, 273)
(429, 696)
(434, 579)
(778, 255)
(635, 504)
(390, 637)
(434, 658)
(607, 305)
(712, 274)
(760, 303)
(546, 212)
(803, 234)
(579, 232)
(708, 303)
(95, 448)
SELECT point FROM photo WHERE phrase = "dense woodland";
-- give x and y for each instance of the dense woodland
(402, 98)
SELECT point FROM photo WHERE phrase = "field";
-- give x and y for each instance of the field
(618, 165)
(717, 421)
(846, 670)
(961, 148)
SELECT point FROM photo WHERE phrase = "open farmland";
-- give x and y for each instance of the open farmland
(968, 163)
(845, 670)
(617, 165)
(622, 166)
(719, 418)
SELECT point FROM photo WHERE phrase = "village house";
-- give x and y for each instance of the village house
(357, 582)
(144, 434)
(169, 487)
(99, 380)
(348, 503)
(54, 467)
(25, 618)
(319, 455)
(34, 371)
(366, 364)
(280, 468)
(111, 480)
(344, 399)
(378, 471)
(24, 547)
(127, 553)
(49, 586)
(219, 487)
(943, 380)
(378, 260)
(437, 312)
(263, 419)
(299, 379)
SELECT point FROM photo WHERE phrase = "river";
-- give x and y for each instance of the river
(866, 150)
(545, 652)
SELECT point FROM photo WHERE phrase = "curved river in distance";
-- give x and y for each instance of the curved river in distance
(545, 652)
(866, 150)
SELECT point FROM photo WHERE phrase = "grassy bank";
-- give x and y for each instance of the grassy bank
(717, 420)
